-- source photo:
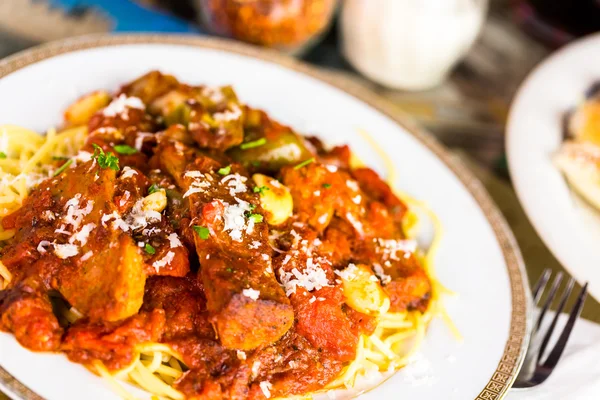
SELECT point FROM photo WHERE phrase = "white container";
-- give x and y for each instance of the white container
(409, 44)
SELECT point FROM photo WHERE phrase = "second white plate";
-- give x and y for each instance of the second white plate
(567, 225)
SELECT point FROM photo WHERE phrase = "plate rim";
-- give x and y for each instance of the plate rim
(520, 320)
(511, 138)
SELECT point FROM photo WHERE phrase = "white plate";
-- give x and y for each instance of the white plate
(478, 258)
(568, 226)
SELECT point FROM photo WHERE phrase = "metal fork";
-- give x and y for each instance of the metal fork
(534, 371)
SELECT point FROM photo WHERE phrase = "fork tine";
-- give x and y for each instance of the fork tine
(560, 345)
(561, 306)
(540, 285)
(549, 299)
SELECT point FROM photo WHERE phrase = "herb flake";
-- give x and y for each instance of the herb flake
(256, 218)
(202, 231)
(153, 189)
(125, 149)
(62, 168)
(149, 249)
(225, 170)
(305, 163)
(260, 189)
(105, 160)
(253, 144)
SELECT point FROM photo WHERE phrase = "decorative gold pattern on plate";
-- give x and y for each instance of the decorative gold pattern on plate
(514, 351)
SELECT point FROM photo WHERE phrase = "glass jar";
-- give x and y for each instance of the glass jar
(287, 25)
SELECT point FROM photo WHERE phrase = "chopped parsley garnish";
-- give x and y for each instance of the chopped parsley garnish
(305, 163)
(256, 218)
(149, 249)
(125, 149)
(58, 158)
(202, 231)
(153, 189)
(255, 163)
(260, 189)
(253, 144)
(105, 160)
(2, 154)
(327, 185)
(251, 206)
(62, 168)
(229, 269)
(225, 170)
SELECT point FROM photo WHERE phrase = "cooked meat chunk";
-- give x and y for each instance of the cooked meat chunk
(245, 317)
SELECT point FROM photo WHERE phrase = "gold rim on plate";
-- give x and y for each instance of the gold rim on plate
(516, 346)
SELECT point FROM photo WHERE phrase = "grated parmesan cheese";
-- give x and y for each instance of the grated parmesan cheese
(289, 151)
(312, 278)
(356, 224)
(199, 184)
(75, 213)
(390, 247)
(139, 140)
(174, 240)
(167, 259)
(251, 293)
(383, 277)
(266, 387)
(241, 355)
(82, 156)
(348, 273)
(61, 229)
(120, 105)
(139, 218)
(49, 215)
(323, 219)
(352, 185)
(128, 172)
(228, 115)
(234, 218)
(41, 246)
(65, 250)
(296, 236)
(236, 183)
(214, 94)
(83, 234)
(255, 368)
(86, 256)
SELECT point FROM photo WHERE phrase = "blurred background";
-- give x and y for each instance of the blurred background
(452, 65)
